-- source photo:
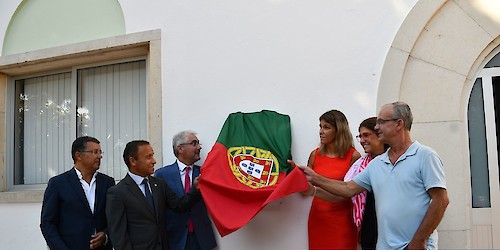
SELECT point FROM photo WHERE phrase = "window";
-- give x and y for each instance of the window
(42, 127)
(107, 102)
(484, 129)
(478, 148)
(108, 88)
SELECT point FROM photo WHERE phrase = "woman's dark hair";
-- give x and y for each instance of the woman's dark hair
(370, 124)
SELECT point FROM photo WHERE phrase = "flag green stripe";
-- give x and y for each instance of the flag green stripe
(267, 130)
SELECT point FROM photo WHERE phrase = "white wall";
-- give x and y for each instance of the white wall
(20, 227)
(300, 58)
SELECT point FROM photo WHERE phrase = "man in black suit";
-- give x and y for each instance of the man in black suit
(136, 205)
(73, 210)
(191, 230)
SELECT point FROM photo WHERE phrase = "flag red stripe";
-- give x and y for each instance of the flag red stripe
(231, 203)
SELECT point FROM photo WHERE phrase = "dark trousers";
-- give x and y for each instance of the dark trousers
(192, 242)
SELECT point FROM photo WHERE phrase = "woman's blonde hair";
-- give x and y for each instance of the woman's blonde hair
(342, 142)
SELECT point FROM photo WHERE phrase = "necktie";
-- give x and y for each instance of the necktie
(187, 187)
(149, 197)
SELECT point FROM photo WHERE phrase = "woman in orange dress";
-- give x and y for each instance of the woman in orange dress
(330, 223)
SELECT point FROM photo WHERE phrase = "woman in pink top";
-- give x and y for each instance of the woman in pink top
(364, 204)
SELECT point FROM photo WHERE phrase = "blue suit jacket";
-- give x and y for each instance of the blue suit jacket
(67, 221)
(177, 224)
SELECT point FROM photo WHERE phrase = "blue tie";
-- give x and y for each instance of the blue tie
(149, 197)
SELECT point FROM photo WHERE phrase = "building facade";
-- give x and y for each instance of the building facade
(122, 69)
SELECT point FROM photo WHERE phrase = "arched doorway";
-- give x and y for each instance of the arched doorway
(483, 115)
(433, 62)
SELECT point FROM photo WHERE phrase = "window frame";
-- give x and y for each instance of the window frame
(69, 58)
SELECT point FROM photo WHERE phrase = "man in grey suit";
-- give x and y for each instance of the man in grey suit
(136, 205)
(191, 230)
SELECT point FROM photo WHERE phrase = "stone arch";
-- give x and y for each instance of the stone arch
(432, 64)
(43, 24)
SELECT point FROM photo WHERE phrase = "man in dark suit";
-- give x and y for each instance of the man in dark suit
(191, 230)
(73, 209)
(136, 205)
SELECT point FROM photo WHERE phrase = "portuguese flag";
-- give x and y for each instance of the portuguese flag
(247, 169)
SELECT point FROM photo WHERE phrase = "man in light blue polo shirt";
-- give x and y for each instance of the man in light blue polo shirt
(407, 181)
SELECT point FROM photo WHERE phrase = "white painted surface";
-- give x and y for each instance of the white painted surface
(300, 58)
(20, 227)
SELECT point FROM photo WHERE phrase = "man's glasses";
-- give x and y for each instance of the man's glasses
(382, 121)
(193, 143)
(94, 151)
(364, 136)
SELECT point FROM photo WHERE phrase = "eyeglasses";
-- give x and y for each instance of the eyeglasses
(382, 121)
(94, 151)
(193, 143)
(364, 136)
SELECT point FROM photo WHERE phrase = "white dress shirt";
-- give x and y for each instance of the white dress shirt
(182, 172)
(138, 180)
(88, 189)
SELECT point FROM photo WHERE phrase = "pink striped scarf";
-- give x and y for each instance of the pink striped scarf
(359, 200)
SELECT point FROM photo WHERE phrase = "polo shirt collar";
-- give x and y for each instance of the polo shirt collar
(412, 150)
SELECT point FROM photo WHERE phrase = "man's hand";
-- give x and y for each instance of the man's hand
(292, 164)
(434, 214)
(195, 182)
(416, 245)
(310, 174)
(98, 240)
(334, 187)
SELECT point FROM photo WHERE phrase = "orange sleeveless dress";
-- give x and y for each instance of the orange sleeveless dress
(330, 224)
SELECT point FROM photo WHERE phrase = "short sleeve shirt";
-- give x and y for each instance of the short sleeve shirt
(400, 190)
